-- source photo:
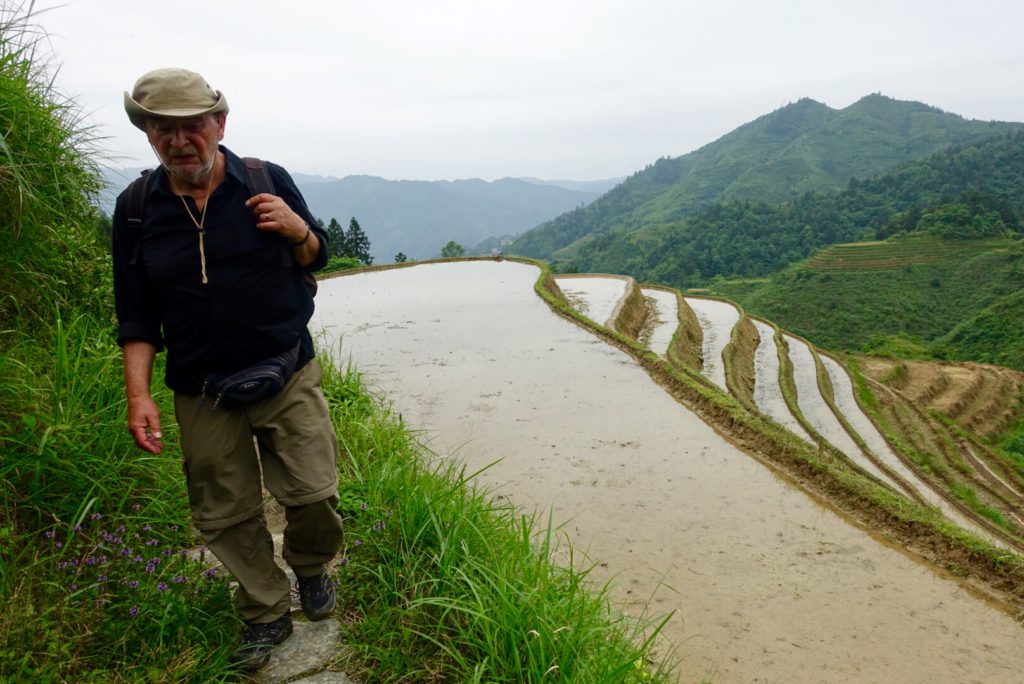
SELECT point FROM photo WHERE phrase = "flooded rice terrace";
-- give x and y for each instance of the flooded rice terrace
(765, 584)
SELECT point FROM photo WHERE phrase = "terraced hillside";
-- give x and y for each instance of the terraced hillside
(916, 428)
(934, 297)
(688, 485)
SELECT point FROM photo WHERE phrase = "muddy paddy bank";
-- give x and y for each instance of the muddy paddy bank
(766, 584)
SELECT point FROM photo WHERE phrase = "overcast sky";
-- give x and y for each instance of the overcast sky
(581, 89)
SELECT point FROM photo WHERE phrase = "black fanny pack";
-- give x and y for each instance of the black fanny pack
(255, 382)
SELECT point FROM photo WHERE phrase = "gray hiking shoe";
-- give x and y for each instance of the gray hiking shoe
(258, 642)
(317, 596)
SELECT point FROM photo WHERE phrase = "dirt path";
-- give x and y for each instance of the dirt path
(767, 584)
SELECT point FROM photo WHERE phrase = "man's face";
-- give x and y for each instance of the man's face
(187, 148)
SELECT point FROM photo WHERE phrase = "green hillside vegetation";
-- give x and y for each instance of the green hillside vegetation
(95, 580)
(917, 295)
(803, 147)
(970, 191)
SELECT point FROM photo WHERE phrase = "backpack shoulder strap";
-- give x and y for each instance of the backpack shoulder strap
(256, 177)
(137, 199)
(258, 180)
(135, 210)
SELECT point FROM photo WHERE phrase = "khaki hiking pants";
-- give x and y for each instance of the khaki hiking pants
(298, 451)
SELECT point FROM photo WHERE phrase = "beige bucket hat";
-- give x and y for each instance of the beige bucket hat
(172, 92)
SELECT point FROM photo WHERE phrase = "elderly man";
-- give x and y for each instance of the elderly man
(215, 274)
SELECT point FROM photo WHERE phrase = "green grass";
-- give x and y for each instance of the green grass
(907, 297)
(439, 581)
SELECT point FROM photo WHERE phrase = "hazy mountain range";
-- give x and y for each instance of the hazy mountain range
(418, 217)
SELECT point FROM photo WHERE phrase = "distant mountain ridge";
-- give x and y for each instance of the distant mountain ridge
(804, 146)
(418, 217)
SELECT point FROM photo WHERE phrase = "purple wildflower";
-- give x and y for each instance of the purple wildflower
(96, 516)
(211, 573)
(49, 534)
(59, 545)
(343, 561)
(134, 584)
(101, 579)
(133, 611)
(147, 528)
(357, 542)
(162, 587)
(152, 542)
(180, 579)
(120, 528)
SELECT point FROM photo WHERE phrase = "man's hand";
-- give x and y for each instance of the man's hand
(273, 214)
(144, 424)
(143, 415)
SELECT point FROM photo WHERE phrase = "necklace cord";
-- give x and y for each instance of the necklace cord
(199, 226)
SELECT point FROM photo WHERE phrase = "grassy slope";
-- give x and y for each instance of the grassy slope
(439, 582)
(916, 287)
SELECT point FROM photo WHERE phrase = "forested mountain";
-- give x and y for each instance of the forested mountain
(742, 239)
(418, 217)
(805, 146)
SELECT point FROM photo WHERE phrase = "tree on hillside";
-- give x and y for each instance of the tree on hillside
(356, 242)
(335, 238)
(400, 258)
(452, 249)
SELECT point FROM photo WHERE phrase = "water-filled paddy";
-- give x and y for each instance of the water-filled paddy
(847, 404)
(593, 296)
(665, 320)
(767, 392)
(717, 320)
(767, 584)
(819, 414)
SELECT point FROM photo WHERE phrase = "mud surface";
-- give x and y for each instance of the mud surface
(664, 318)
(767, 393)
(593, 296)
(767, 585)
(716, 321)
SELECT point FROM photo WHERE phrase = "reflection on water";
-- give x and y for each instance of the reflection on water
(717, 320)
(767, 393)
(819, 414)
(766, 584)
(596, 296)
(666, 319)
(851, 410)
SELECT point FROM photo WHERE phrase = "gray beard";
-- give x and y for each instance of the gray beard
(195, 179)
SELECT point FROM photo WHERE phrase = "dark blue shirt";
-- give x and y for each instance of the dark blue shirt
(254, 304)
